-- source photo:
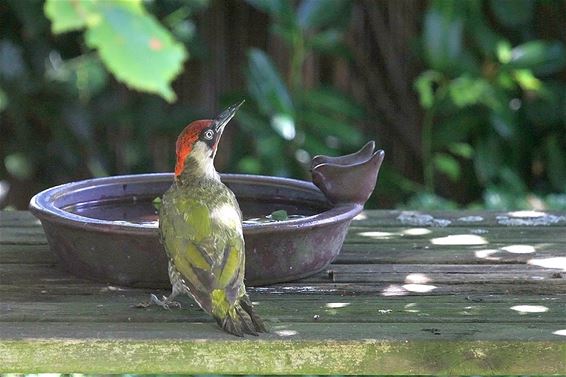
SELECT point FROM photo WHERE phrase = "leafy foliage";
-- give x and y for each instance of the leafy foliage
(136, 48)
(289, 123)
(492, 102)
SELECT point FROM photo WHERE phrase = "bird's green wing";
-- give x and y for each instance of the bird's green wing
(206, 247)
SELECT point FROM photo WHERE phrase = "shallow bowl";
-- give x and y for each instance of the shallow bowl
(105, 229)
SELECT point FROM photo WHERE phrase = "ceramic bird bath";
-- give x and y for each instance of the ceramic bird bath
(106, 229)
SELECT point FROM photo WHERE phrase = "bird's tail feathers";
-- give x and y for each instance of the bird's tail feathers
(242, 319)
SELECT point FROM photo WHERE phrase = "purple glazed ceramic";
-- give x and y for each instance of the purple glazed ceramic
(105, 229)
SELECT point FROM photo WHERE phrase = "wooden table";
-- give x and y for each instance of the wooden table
(453, 293)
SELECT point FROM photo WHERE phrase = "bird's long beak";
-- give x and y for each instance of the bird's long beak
(222, 120)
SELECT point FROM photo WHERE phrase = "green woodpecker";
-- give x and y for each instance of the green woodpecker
(200, 224)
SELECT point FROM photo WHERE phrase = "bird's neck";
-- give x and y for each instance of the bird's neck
(197, 171)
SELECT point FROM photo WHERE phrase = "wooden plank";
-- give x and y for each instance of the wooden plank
(18, 219)
(291, 348)
(425, 253)
(458, 236)
(335, 309)
(476, 219)
(22, 236)
(27, 254)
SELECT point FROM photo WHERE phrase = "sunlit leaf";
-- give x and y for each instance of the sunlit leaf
(447, 165)
(284, 125)
(137, 49)
(463, 150)
(540, 56)
(527, 80)
(468, 91)
(66, 15)
(132, 44)
(424, 86)
(19, 165)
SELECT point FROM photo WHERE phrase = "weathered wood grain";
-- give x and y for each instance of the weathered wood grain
(396, 301)
(291, 348)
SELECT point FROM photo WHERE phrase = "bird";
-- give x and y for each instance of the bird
(200, 227)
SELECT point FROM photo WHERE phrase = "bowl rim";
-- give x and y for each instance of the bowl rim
(42, 204)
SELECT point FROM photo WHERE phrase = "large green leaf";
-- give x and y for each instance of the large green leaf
(70, 15)
(540, 56)
(131, 43)
(266, 86)
(447, 165)
(331, 101)
(442, 37)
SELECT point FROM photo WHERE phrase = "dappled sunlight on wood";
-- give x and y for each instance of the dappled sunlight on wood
(560, 332)
(525, 309)
(394, 290)
(417, 278)
(553, 262)
(519, 249)
(286, 332)
(486, 254)
(526, 214)
(416, 231)
(410, 308)
(459, 239)
(376, 234)
(419, 288)
(361, 216)
(334, 305)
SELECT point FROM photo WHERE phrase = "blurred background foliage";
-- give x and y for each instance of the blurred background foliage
(468, 98)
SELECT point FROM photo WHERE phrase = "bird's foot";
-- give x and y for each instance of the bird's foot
(165, 303)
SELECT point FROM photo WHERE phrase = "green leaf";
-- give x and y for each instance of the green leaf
(463, 150)
(526, 80)
(266, 86)
(279, 215)
(136, 48)
(468, 91)
(540, 56)
(66, 15)
(424, 87)
(284, 125)
(156, 203)
(324, 126)
(442, 37)
(331, 101)
(316, 14)
(447, 165)
(3, 100)
(327, 41)
(513, 13)
(19, 165)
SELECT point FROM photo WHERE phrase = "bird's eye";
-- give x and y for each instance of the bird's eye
(209, 134)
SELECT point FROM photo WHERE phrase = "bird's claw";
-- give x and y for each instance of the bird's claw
(165, 303)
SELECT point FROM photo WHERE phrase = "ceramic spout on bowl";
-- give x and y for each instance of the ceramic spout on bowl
(350, 178)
